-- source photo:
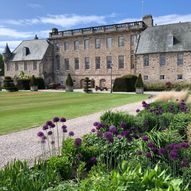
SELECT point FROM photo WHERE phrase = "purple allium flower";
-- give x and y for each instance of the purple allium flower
(150, 145)
(78, 142)
(52, 125)
(108, 136)
(49, 132)
(93, 160)
(162, 151)
(145, 138)
(40, 134)
(99, 126)
(93, 130)
(71, 133)
(123, 125)
(52, 142)
(56, 119)
(170, 146)
(64, 130)
(49, 123)
(96, 124)
(112, 129)
(149, 155)
(174, 154)
(125, 133)
(45, 127)
(184, 145)
(137, 110)
(62, 119)
(64, 127)
(119, 136)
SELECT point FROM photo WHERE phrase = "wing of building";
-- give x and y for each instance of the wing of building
(103, 53)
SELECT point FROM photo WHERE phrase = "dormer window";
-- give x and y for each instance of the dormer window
(26, 51)
(170, 40)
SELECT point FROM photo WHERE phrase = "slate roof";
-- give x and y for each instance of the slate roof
(156, 39)
(30, 50)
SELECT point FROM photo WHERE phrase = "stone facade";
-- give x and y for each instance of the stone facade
(122, 53)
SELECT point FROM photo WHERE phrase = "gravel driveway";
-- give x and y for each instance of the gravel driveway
(24, 144)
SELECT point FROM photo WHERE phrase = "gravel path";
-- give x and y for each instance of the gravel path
(24, 144)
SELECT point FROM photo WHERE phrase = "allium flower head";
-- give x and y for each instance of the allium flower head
(93, 130)
(174, 155)
(112, 129)
(149, 155)
(78, 142)
(62, 119)
(93, 160)
(71, 133)
(49, 132)
(137, 110)
(64, 130)
(49, 123)
(108, 136)
(64, 127)
(151, 145)
(56, 119)
(96, 124)
(40, 134)
(125, 133)
(52, 125)
(162, 151)
(123, 125)
(184, 145)
(145, 138)
(45, 127)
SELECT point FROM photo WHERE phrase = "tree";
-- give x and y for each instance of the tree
(1, 66)
(69, 81)
(139, 82)
(87, 85)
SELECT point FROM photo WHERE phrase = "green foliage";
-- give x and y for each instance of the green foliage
(22, 75)
(139, 82)
(115, 118)
(23, 84)
(131, 179)
(40, 83)
(65, 186)
(180, 123)
(1, 66)
(62, 165)
(125, 84)
(68, 148)
(19, 176)
(9, 84)
(87, 85)
(165, 119)
(33, 81)
(69, 81)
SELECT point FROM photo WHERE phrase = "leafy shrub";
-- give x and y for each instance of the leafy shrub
(65, 186)
(33, 81)
(180, 123)
(40, 82)
(62, 165)
(154, 87)
(69, 81)
(125, 84)
(9, 84)
(87, 85)
(165, 120)
(19, 176)
(23, 84)
(139, 82)
(131, 179)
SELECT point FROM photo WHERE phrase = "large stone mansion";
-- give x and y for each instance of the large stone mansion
(160, 53)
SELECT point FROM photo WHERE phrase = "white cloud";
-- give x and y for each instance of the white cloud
(7, 32)
(12, 44)
(34, 5)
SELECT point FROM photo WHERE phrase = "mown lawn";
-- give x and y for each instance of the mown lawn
(22, 110)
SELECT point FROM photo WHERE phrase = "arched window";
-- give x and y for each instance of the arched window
(102, 83)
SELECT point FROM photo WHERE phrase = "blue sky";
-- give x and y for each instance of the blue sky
(22, 19)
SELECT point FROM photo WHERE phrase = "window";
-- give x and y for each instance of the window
(97, 61)
(57, 62)
(132, 62)
(162, 59)
(8, 67)
(161, 77)
(179, 77)
(66, 45)
(121, 61)
(146, 60)
(109, 42)
(121, 41)
(109, 62)
(180, 58)
(34, 65)
(76, 45)
(16, 66)
(77, 63)
(97, 43)
(25, 65)
(66, 63)
(133, 39)
(145, 77)
(87, 63)
(86, 43)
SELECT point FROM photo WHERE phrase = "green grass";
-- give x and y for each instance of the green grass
(22, 110)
